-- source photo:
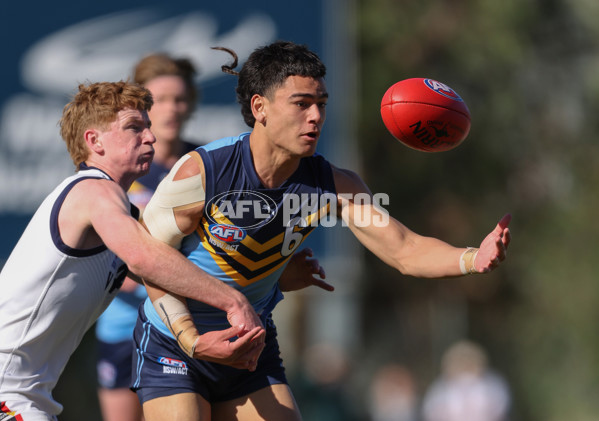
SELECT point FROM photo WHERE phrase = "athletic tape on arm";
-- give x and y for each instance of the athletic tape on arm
(159, 216)
(175, 315)
(467, 261)
(170, 309)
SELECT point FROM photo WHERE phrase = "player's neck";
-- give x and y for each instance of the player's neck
(273, 165)
(125, 180)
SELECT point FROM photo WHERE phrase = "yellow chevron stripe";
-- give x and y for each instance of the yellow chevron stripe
(250, 243)
(237, 256)
(228, 270)
(225, 267)
(320, 214)
(256, 246)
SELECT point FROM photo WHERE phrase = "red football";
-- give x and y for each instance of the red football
(425, 115)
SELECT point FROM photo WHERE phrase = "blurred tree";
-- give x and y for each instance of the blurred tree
(529, 74)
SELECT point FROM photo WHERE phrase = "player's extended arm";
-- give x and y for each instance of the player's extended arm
(411, 253)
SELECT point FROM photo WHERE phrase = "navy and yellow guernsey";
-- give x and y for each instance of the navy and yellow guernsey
(248, 232)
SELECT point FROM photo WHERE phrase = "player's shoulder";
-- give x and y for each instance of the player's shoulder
(91, 199)
(188, 165)
(344, 173)
(91, 177)
(97, 191)
(213, 154)
(92, 185)
(223, 142)
(347, 181)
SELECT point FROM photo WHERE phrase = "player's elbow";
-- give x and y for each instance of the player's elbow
(137, 261)
(401, 267)
(397, 262)
(406, 264)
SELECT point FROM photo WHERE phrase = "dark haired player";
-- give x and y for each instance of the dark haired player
(212, 194)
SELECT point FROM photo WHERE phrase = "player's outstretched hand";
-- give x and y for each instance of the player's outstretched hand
(493, 249)
(300, 272)
(242, 353)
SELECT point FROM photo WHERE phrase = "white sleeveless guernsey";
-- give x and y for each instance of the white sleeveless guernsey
(50, 295)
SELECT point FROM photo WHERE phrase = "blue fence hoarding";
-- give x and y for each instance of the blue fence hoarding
(56, 45)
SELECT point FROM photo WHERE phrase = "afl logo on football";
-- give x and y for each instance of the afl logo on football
(227, 233)
(442, 89)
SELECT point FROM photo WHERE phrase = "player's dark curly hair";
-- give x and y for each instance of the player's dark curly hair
(268, 67)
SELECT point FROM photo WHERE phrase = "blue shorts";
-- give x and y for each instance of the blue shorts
(161, 368)
(113, 364)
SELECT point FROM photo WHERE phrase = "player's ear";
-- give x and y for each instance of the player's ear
(93, 140)
(258, 105)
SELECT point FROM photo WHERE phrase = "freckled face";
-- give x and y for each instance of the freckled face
(128, 142)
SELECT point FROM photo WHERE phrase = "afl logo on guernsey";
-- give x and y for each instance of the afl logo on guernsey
(442, 89)
(227, 233)
(243, 209)
(172, 362)
(172, 366)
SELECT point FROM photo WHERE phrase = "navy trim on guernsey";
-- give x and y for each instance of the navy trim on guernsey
(135, 213)
(60, 245)
(55, 232)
